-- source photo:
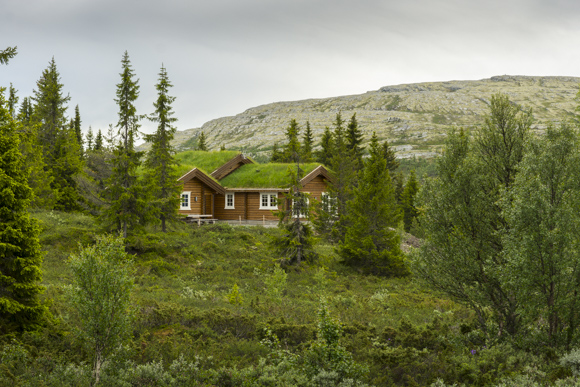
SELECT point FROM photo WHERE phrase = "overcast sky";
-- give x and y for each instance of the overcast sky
(225, 56)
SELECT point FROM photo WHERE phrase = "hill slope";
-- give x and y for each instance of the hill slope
(412, 116)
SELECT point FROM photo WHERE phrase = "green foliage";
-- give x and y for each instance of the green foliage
(126, 197)
(60, 149)
(276, 155)
(571, 360)
(12, 101)
(275, 283)
(292, 151)
(463, 254)
(161, 172)
(100, 296)
(541, 238)
(344, 167)
(324, 155)
(90, 140)
(372, 242)
(234, 297)
(7, 54)
(183, 321)
(20, 256)
(410, 211)
(77, 129)
(297, 239)
(201, 142)
(354, 139)
(307, 144)
(325, 216)
(391, 158)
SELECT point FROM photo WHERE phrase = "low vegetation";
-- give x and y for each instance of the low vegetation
(212, 307)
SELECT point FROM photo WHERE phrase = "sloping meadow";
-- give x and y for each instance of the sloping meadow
(212, 295)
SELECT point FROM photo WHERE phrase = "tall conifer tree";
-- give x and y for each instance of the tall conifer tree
(324, 155)
(390, 156)
(162, 173)
(61, 157)
(20, 255)
(354, 140)
(201, 145)
(90, 139)
(49, 110)
(126, 198)
(343, 165)
(408, 200)
(12, 101)
(77, 128)
(307, 143)
(371, 241)
(25, 112)
(292, 150)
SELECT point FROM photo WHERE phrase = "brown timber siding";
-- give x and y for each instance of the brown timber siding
(230, 214)
(316, 187)
(254, 212)
(198, 189)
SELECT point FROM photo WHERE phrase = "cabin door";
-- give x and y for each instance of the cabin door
(208, 204)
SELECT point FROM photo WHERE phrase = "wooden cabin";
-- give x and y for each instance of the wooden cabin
(240, 189)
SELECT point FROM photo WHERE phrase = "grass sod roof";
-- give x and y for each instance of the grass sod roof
(207, 162)
(273, 175)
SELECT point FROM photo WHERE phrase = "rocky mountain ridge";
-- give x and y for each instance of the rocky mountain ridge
(413, 117)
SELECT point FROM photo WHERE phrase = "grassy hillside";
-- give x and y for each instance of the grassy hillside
(186, 308)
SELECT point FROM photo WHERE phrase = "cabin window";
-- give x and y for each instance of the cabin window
(229, 201)
(329, 203)
(268, 201)
(185, 201)
(303, 211)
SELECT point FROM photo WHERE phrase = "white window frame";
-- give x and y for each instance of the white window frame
(271, 202)
(307, 198)
(232, 206)
(330, 201)
(188, 195)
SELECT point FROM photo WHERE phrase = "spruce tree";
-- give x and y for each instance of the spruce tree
(297, 241)
(162, 174)
(126, 198)
(276, 156)
(90, 139)
(99, 141)
(201, 142)
(66, 167)
(324, 155)
(12, 101)
(49, 110)
(408, 201)
(389, 154)
(77, 128)
(40, 177)
(60, 151)
(20, 254)
(344, 168)
(354, 140)
(291, 151)
(307, 143)
(399, 184)
(25, 112)
(372, 242)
